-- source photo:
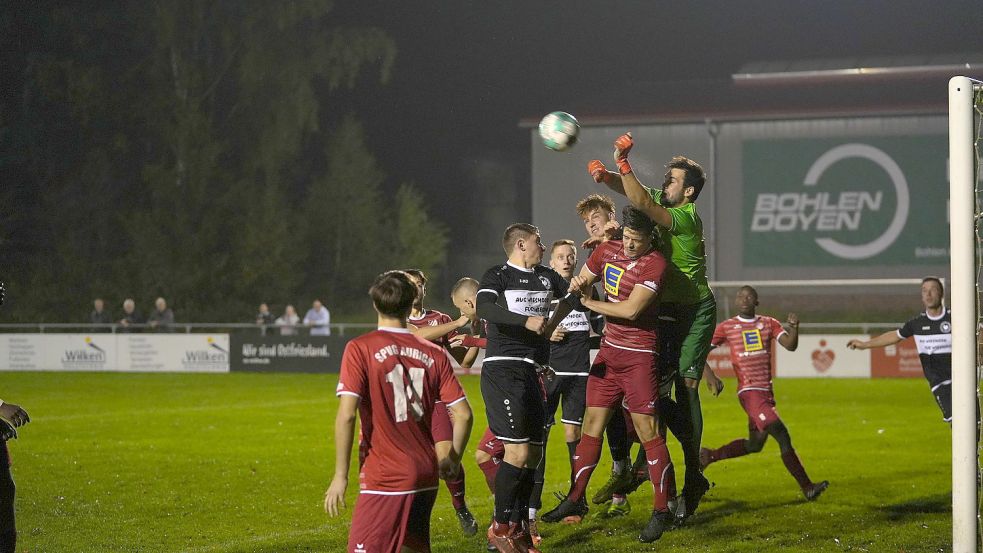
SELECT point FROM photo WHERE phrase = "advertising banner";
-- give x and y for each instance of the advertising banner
(870, 201)
(173, 352)
(287, 353)
(115, 352)
(823, 356)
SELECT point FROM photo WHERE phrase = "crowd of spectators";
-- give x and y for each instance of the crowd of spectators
(317, 320)
(161, 318)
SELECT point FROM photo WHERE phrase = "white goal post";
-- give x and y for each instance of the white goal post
(962, 290)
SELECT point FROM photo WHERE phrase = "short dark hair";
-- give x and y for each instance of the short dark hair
(695, 176)
(637, 220)
(393, 294)
(515, 232)
(466, 283)
(749, 288)
(564, 242)
(936, 280)
(417, 274)
(595, 201)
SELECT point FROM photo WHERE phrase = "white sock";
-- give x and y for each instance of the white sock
(618, 466)
(618, 500)
(532, 513)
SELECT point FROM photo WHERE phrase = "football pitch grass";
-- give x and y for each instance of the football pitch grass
(239, 463)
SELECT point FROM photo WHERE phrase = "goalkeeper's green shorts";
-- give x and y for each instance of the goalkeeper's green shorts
(685, 331)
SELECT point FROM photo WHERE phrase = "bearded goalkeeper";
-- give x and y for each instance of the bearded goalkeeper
(687, 308)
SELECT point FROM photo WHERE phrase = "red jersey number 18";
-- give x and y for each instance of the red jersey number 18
(406, 396)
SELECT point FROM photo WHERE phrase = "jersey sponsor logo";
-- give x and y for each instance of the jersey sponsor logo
(752, 340)
(612, 278)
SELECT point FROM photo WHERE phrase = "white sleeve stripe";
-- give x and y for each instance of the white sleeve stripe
(589, 271)
(647, 287)
(349, 394)
(458, 400)
(489, 290)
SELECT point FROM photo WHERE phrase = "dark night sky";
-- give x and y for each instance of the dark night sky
(467, 72)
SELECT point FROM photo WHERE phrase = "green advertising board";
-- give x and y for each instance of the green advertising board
(846, 201)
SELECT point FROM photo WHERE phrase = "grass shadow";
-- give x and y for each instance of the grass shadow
(936, 504)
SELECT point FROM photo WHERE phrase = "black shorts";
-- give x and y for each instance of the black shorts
(573, 392)
(515, 401)
(940, 382)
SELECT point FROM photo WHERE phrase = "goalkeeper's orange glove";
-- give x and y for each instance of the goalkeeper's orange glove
(597, 170)
(622, 146)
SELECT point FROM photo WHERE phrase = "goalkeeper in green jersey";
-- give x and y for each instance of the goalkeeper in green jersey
(687, 310)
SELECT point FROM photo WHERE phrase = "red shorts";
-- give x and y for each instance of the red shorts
(491, 445)
(760, 408)
(387, 523)
(621, 373)
(441, 427)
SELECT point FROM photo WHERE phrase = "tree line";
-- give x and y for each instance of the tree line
(198, 151)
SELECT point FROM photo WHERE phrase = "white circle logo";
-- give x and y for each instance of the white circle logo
(882, 242)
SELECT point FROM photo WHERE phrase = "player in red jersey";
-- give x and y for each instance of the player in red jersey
(631, 270)
(750, 338)
(439, 328)
(393, 380)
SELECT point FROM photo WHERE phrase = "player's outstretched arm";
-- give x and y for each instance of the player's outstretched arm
(889, 338)
(790, 340)
(344, 437)
(469, 358)
(434, 332)
(637, 193)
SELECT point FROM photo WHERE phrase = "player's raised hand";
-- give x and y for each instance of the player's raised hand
(622, 146)
(334, 498)
(536, 324)
(597, 170)
(793, 320)
(591, 243)
(558, 334)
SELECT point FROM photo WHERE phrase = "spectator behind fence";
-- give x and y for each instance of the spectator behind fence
(264, 317)
(130, 317)
(288, 321)
(162, 318)
(100, 316)
(318, 318)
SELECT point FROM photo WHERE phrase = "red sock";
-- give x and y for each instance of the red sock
(490, 468)
(584, 462)
(737, 448)
(660, 467)
(794, 466)
(456, 487)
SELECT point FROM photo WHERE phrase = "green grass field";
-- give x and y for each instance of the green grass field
(240, 462)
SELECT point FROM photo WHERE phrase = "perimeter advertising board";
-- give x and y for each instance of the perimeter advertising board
(875, 201)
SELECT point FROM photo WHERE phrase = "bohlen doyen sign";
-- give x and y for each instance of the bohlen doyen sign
(851, 201)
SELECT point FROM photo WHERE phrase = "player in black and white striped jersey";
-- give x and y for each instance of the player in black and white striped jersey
(932, 330)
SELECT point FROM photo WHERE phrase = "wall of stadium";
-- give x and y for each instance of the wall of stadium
(845, 197)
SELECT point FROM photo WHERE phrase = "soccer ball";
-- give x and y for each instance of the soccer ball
(559, 131)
